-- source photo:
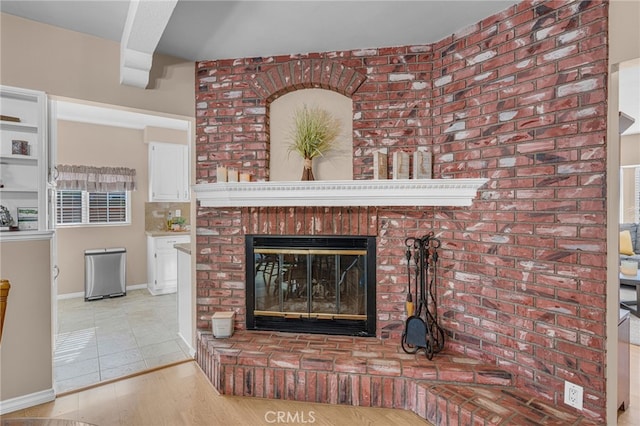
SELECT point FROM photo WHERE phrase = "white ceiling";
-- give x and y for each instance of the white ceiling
(212, 29)
(207, 30)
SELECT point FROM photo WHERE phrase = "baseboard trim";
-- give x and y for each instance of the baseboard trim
(81, 293)
(70, 295)
(192, 352)
(137, 287)
(26, 401)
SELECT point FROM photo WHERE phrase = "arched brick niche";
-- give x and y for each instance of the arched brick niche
(306, 74)
(287, 77)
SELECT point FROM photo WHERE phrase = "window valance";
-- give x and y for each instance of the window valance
(95, 179)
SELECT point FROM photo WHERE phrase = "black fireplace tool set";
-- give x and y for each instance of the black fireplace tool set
(422, 330)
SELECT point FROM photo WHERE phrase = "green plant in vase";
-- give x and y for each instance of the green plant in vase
(314, 133)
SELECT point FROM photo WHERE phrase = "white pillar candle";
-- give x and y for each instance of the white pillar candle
(400, 165)
(422, 164)
(245, 177)
(221, 174)
(232, 175)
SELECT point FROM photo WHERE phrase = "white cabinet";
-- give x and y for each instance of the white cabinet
(185, 306)
(168, 172)
(162, 263)
(23, 155)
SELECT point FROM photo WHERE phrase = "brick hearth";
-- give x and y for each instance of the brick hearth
(371, 372)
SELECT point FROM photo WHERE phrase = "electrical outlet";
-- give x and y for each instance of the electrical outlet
(573, 395)
(178, 213)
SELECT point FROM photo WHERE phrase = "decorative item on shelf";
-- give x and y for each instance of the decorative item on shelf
(232, 174)
(380, 164)
(9, 118)
(221, 174)
(6, 221)
(245, 177)
(19, 147)
(629, 267)
(400, 165)
(422, 164)
(314, 133)
(27, 218)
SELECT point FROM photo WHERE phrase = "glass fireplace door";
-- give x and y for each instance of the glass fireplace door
(310, 283)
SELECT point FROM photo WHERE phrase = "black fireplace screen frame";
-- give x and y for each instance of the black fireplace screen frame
(327, 324)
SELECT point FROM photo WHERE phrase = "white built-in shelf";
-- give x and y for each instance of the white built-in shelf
(12, 189)
(24, 177)
(8, 236)
(17, 159)
(17, 125)
(346, 193)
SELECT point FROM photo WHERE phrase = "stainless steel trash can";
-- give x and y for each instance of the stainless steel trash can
(105, 273)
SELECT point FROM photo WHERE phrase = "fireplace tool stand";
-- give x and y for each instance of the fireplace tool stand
(422, 330)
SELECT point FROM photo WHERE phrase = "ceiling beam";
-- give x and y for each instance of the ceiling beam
(146, 21)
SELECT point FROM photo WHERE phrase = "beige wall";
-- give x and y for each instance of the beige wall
(335, 164)
(630, 150)
(629, 156)
(95, 145)
(25, 350)
(75, 65)
(624, 30)
(158, 134)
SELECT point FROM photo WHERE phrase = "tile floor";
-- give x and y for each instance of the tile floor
(109, 338)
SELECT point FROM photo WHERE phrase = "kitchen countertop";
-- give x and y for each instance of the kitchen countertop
(183, 247)
(166, 233)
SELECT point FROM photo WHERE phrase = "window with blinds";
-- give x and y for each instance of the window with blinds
(92, 208)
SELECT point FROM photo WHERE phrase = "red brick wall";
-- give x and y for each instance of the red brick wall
(519, 98)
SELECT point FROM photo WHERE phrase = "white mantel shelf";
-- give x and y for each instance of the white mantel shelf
(343, 193)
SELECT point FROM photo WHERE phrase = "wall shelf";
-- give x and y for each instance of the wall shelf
(17, 159)
(8, 236)
(327, 193)
(23, 176)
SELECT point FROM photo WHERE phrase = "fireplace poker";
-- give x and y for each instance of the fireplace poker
(409, 302)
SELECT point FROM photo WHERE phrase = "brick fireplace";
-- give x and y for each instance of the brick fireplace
(518, 98)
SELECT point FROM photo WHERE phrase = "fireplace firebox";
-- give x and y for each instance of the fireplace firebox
(311, 284)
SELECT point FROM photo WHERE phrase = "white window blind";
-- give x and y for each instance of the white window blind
(92, 208)
(68, 207)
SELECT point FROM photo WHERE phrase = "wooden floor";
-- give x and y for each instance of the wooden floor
(181, 395)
